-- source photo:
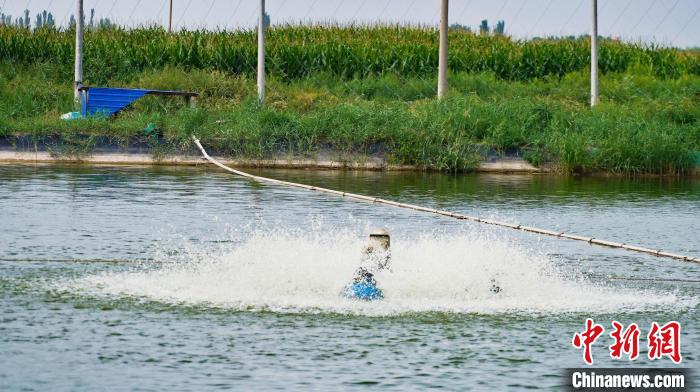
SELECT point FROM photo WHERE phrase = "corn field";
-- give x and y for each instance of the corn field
(347, 52)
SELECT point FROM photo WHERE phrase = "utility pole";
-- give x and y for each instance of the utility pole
(170, 18)
(442, 59)
(594, 55)
(79, 27)
(261, 53)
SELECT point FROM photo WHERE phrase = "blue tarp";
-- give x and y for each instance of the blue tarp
(108, 101)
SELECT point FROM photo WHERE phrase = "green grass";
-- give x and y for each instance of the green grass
(350, 91)
(644, 125)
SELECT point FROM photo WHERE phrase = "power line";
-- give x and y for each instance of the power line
(605, 5)
(665, 16)
(629, 2)
(498, 14)
(310, 9)
(335, 11)
(65, 16)
(540, 18)
(280, 7)
(236, 9)
(111, 9)
(358, 9)
(184, 12)
(687, 24)
(160, 11)
(461, 14)
(385, 7)
(133, 11)
(48, 7)
(209, 10)
(517, 14)
(408, 9)
(253, 16)
(643, 15)
(573, 14)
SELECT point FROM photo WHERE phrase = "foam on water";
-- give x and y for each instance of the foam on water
(293, 271)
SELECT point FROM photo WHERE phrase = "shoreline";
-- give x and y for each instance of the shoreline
(103, 150)
(506, 165)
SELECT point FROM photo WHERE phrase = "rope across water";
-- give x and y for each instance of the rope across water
(590, 240)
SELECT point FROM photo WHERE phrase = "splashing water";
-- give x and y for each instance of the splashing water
(305, 272)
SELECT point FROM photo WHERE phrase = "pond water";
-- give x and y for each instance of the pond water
(190, 278)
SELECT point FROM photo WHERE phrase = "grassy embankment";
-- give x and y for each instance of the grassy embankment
(362, 90)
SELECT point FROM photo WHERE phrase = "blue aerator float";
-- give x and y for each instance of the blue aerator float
(364, 291)
(375, 257)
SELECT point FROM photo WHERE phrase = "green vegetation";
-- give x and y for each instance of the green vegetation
(370, 89)
(346, 52)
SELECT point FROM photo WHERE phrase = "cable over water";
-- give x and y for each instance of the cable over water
(354, 196)
(74, 260)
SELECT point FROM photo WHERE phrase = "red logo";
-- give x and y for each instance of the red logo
(625, 342)
(663, 341)
(586, 338)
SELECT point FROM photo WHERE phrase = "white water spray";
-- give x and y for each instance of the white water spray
(304, 272)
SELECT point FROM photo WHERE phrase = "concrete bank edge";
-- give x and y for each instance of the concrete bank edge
(509, 165)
